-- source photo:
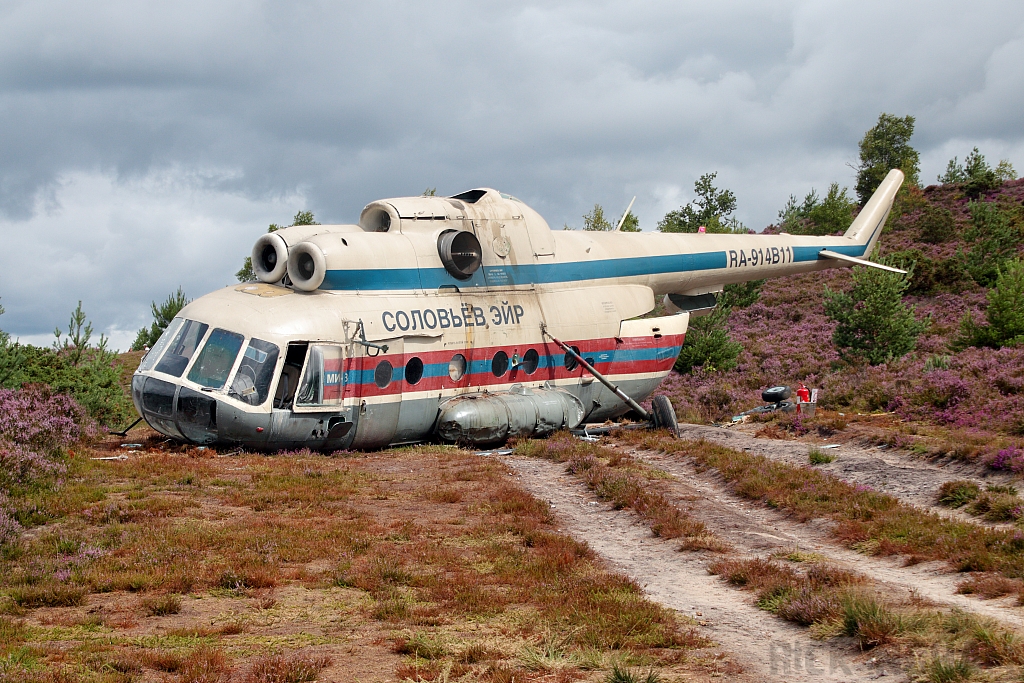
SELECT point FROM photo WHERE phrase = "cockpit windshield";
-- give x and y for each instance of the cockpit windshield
(181, 348)
(255, 373)
(213, 364)
(154, 353)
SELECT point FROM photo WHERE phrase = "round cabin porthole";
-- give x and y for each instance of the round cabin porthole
(531, 361)
(413, 370)
(457, 367)
(499, 365)
(570, 361)
(382, 375)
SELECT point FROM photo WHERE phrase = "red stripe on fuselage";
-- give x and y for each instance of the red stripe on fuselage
(486, 378)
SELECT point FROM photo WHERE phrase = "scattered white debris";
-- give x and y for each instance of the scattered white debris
(500, 451)
(131, 446)
(112, 457)
(831, 445)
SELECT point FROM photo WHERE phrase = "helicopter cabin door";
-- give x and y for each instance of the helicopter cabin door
(423, 368)
(375, 391)
(310, 400)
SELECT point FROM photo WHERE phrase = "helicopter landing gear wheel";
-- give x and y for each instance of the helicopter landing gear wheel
(664, 414)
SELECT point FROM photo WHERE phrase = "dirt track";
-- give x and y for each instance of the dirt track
(767, 647)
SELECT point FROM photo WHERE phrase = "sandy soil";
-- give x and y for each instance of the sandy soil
(767, 647)
(898, 473)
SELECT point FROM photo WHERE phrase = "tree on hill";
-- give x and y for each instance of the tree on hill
(11, 356)
(818, 216)
(246, 273)
(1005, 313)
(996, 231)
(884, 147)
(873, 323)
(976, 175)
(162, 317)
(595, 220)
(711, 208)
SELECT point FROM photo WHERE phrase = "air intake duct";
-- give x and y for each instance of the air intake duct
(270, 258)
(460, 253)
(306, 266)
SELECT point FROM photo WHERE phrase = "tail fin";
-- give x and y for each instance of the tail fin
(868, 226)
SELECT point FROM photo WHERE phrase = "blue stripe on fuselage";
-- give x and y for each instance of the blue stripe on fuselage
(546, 273)
(525, 274)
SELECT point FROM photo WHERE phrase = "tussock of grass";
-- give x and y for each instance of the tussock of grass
(836, 602)
(620, 479)
(941, 669)
(989, 586)
(162, 605)
(865, 519)
(48, 595)
(816, 456)
(299, 667)
(624, 675)
(955, 494)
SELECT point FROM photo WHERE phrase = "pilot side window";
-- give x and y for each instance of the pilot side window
(182, 347)
(154, 353)
(323, 381)
(256, 372)
(213, 364)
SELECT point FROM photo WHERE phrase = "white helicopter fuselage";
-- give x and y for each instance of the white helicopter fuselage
(437, 318)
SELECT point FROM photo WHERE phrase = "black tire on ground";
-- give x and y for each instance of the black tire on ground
(776, 394)
(664, 414)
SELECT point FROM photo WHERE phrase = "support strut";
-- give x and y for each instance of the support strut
(597, 375)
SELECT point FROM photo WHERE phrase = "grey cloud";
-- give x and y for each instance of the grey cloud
(204, 121)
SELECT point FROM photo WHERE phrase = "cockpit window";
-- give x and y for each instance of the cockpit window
(182, 347)
(213, 364)
(255, 373)
(323, 381)
(154, 353)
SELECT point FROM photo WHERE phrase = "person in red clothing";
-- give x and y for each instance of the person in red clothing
(803, 393)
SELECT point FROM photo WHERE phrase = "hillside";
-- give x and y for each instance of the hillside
(976, 393)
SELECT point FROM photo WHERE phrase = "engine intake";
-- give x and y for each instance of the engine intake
(270, 258)
(306, 266)
(460, 253)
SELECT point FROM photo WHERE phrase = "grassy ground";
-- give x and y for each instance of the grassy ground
(424, 563)
(863, 518)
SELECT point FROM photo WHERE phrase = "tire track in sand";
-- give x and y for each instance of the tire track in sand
(768, 648)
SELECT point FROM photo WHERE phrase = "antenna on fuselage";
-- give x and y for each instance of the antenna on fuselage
(623, 219)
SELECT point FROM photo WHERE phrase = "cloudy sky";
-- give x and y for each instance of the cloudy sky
(145, 146)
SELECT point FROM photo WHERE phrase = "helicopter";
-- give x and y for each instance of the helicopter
(464, 319)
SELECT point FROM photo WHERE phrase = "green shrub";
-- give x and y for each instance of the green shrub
(954, 494)
(873, 322)
(936, 224)
(995, 233)
(816, 456)
(827, 216)
(1005, 313)
(708, 344)
(89, 373)
(940, 670)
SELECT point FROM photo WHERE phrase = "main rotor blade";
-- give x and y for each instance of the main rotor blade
(623, 219)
